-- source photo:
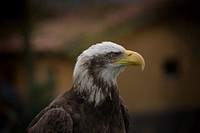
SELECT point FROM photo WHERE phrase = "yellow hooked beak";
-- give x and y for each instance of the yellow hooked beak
(132, 59)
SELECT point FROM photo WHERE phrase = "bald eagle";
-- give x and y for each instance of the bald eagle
(93, 104)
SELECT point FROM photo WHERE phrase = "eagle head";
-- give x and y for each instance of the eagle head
(97, 68)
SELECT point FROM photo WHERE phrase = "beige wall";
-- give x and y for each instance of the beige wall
(151, 90)
(61, 70)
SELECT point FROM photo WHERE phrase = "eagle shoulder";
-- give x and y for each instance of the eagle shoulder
(55, 117)
(54, 120)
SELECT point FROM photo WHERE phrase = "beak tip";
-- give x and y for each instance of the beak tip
(143, 68)
(143, 65)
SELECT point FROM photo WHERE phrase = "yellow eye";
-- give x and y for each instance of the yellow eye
(112, 55)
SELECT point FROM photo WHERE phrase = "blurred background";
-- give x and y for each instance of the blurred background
(41, 39)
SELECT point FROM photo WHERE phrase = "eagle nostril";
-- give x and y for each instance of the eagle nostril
(129, 54)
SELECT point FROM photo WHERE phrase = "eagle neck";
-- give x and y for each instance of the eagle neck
(96, 91)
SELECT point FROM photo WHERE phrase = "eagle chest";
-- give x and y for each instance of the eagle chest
(102, 119)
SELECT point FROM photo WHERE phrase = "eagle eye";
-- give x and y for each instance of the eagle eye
(113, 55)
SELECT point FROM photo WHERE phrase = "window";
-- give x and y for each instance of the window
(171, 68)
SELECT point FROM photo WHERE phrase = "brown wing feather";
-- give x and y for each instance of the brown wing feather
(54, 120)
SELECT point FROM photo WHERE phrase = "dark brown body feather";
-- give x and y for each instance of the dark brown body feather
(72, 113)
